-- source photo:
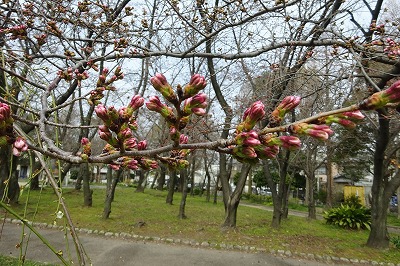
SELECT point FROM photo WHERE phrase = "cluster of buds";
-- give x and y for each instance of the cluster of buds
(86, 148)
(7, 136)
(70, 74)
(346, 119)
(378, 29)
(193, 102)
(41, 39)
(287, 105)
(117, 130)
(321, 132)
(185, 102)
(177, 160)
(104, 84)
(382, 98)
(17, 32)
(249, 146)
(392, 48)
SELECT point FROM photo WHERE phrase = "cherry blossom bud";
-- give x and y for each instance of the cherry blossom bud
(87, 147)
(266, 152)
(382, 98)
(321, 132)
(124, 133)
(104, 133)
(142, 145)
(19, 146)
(290, 142)
(154, 104)
(161, 84)
(174, 133)
(244, 152)
(198, 111)
(288, 104)
(85, 141)
(147, 164)
(247, 138)
(101, 112)
(251, 116)
(196, 84)
(5, 112)
(130, 143)
(183, 139)
(115, 166)
(182, 164)
(195, 104)
(136, 102)
(356, 115)
(124, 114)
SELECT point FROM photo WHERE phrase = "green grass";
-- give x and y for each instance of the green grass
(203, 223)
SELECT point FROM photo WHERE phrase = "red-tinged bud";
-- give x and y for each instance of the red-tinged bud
(290, 142)
(346, 123)
(198, 111)
(154, 104)
(142, 145)
(321, 132)
(174, 133)
(183, 139)
(19, 146)
(113, 114)
(85, 141)
(130, 144)
(288, 104)
(266, 152)
(355, 115)
(196, 84)
(147, 164)
(104, 133)
(247, 138)
(161, 84)
(125, 133)
(182, 164)
(130, 163)
(191, 104)
(244, 152)
(382, 98)
(115, 166)
(101, 112)
(125, 114)
(136, 102)
(5, 112)
(251, 116)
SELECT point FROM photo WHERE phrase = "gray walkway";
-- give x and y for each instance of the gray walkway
(118, 251)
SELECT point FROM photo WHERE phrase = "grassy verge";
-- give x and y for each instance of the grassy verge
(9, 261)
(157, 219)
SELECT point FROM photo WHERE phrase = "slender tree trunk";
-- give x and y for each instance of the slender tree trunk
(329, 184)
(184, 178)
(234, 198)
(87, 192)
(140, 187)
(312, 214)
(9, 186)
(35, 175)
(161, 180)
(110, 191)
(171, 187)
(154, 180)
(276, 197)
(378, 237)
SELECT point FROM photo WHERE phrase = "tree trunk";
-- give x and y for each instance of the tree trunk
(87, 192)
(234, 199)
(35, 175)
(154, 180)
(110, 191)
(161, 179)
(276, 197)
(171, 187)
(312, 214)
(378, 237)
(140, 187)
(182, 206)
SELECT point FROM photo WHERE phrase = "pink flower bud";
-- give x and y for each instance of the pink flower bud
(183, 139)
(147, 164)
(136, 102)
(321, 132)
(142, 145)
(19, 146)
(101, 112)
(288, 104)
(247, 138)
(290, 142)
(161, 84)
(251, 116)
(356, 115)
(125, 133)
(85, 141)
(198, 111)
(5, 112)
(154, 104)
(266, 152)
(130, 144)
(197, 83)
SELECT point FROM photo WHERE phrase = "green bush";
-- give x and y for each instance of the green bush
(349, 217)
(396, 241)
(353, 200)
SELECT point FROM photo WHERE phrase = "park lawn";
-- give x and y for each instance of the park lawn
(147, 214)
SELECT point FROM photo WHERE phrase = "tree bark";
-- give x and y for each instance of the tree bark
(140, 187)
(87, 192)
(378, 237)
(171, 187)
(161, 179)
(110, 191)
(184, 178)
(234, 198)
(9, 186)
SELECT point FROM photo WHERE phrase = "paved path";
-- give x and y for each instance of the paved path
(118, 251)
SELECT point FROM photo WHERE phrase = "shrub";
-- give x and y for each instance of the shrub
(353, 200)
(396, 241)
(349, 217)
